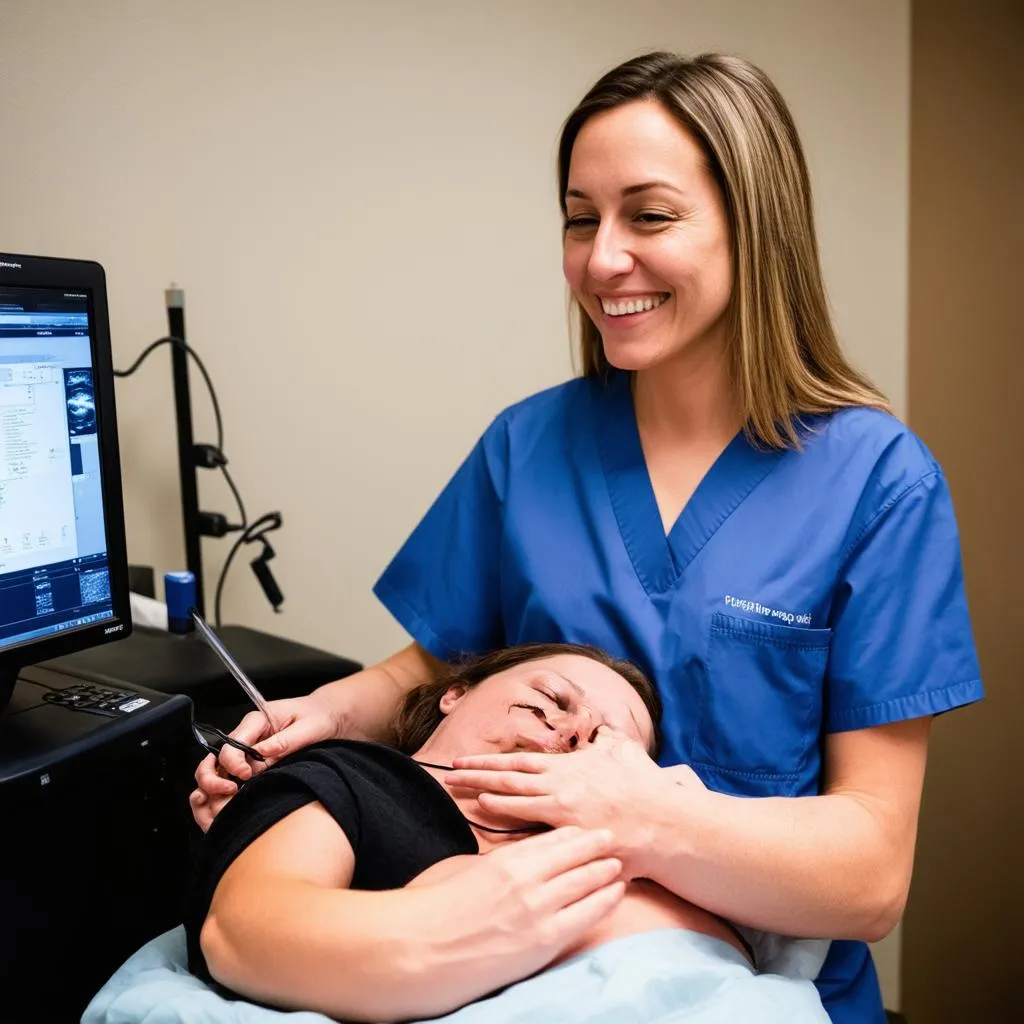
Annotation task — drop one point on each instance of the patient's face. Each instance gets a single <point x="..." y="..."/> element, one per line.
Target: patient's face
<point x="552" y="704"/>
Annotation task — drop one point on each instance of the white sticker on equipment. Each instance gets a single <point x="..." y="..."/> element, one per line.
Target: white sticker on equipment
<point x="134" y="705"/>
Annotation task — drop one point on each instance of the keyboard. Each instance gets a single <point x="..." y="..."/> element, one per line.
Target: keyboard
<point x="96" y="699"/>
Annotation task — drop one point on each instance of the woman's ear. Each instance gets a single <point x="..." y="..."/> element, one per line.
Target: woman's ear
<point x="451" y="697"/>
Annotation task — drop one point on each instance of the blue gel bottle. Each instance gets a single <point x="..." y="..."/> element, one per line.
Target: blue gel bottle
<point x="180" y="595"/>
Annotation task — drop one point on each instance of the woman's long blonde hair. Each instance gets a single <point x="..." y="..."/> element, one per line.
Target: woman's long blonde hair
<point x="785" y="358"/>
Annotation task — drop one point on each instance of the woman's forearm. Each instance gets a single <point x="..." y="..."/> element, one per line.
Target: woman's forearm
<point x="349" y="954"/>
<point x="824" y="866"/>
<point x="365" y="703"/>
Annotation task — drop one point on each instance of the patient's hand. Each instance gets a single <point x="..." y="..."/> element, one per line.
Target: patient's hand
<point x="645" y="907"/>
<point x="300" y="721"/>
<point x="501" y="916"/>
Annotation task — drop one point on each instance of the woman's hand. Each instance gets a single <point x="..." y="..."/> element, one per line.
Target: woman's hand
<point x="360" y="707"/>
<point x="608" y="784"/>
<point x="300" y="721"/>
<point x="504" y="915"/>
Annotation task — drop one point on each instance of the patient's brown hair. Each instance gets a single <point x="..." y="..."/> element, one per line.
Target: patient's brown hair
<point x="420" y="713"/>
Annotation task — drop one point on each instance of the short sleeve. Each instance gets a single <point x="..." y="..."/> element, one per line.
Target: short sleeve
<point x="902" y="645"/>
<point x="259" y="805"/>
<point x="444" y="584"/>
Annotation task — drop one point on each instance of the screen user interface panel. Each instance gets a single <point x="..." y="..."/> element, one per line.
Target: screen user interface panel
<point x="53" y="542"/>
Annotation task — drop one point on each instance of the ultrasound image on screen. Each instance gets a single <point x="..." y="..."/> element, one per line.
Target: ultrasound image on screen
<point x="81" y="402"/>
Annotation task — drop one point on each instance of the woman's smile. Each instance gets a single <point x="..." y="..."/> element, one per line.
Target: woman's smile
<point x="615" y="306"/>
<point x="628" y="314"/>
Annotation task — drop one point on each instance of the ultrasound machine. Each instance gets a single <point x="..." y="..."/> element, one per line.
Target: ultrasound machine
<point x="94" y="772"/>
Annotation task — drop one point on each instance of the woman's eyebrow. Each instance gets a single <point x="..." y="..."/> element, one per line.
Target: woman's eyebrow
<point x="629" y="190"/>
<point x="580" y="692"/>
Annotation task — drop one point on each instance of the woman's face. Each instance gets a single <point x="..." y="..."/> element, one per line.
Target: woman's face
<point x="552" y="704"/>
<point x="646" y="230"/>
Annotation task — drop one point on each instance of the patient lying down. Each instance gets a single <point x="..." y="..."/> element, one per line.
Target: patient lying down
<point x="349" y="879"/>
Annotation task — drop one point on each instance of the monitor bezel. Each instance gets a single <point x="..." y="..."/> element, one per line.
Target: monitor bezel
<point x="20" y="271"/>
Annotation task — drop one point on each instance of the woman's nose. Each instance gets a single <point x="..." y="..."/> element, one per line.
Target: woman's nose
<point x="609" y="256"/>
<point x="575" y="730"/>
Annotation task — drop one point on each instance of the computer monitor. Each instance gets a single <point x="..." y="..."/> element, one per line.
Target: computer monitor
<point x="63" y="565"/>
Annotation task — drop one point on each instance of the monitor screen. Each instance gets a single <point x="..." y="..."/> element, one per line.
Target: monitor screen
<point x="54" y="570"/>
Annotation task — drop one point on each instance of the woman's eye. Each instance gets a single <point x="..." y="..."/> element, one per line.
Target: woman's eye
<point x="580" y="223"/>
<point x="539" y="712"/>
<point x="583" y="222"/>
<point x="560" y="702"/>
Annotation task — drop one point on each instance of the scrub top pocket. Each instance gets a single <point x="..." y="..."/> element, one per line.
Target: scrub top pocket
<point x="760" y="712"/>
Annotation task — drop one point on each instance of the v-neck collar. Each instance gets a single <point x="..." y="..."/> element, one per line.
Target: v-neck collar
<point x="660" y="560"/>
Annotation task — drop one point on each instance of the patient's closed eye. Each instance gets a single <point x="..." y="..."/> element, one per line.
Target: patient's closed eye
<point x="562" y="703"/>
<point x="539" y="712"/>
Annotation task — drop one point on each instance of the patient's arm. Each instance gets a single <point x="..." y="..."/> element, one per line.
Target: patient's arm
<point x="284" y="927"/>
<point x="645" y="907"/>
<point x="276" y="930"/>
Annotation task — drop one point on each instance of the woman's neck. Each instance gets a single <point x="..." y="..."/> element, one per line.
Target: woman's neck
<point x="688" y="400"/>
<point x="437" y="751"/>
<point x="436" y="758"/>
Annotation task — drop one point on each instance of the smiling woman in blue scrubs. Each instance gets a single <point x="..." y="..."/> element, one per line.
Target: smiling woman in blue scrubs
<point x="723" y="500"/>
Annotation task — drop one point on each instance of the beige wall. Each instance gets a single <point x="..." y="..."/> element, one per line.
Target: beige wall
<point x="962" y="939"/>
<point x="358" y="199"/>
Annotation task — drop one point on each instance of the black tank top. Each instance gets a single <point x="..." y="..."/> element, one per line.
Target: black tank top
<point x="398" y="819"/>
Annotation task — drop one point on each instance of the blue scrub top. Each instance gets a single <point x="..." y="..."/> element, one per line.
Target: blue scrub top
<point x="799" y="593"/>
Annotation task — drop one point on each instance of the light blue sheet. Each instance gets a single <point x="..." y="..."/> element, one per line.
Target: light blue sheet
<point x="660" y="977"/>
